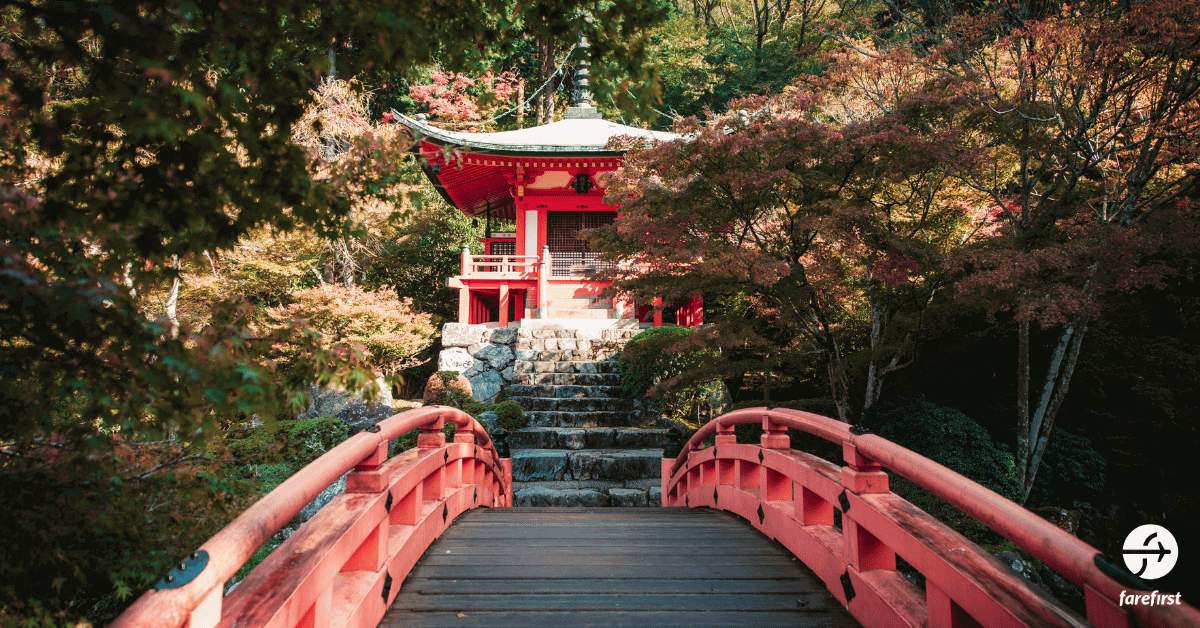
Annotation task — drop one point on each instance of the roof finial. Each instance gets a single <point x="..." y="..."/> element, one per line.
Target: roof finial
<point x="582" y="107"/>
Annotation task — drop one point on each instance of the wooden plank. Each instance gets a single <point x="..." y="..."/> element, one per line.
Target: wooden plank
<point x="798" y="586"/>
<point x="469" y="602"/>
<point x="610" y="567"/>
<point x="634" y="619"/>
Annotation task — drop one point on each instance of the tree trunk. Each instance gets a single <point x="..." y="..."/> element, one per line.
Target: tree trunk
<point x="172" y="299"/>
<point x="1035" y="428"/>
<point x="521" y="104"/>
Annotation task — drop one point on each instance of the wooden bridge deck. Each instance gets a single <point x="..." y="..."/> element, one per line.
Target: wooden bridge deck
<point x="533" y="567"/>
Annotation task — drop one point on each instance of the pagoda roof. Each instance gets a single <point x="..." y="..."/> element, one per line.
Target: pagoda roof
<point x="572" y="136"/>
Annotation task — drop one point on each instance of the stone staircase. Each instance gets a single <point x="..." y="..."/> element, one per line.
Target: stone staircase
<point x="584" y="445"/>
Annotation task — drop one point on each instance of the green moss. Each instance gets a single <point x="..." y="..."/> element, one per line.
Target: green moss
<point x="288" y="441"/>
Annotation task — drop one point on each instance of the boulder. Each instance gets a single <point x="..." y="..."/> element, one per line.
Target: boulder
<point x="488" y="419"/>
<point x="360" y="416"/>
<point x="455" y="359"/>
<point x="461" y="335"/>
<point x="655" y="496"/>
<point x="503" y="335"/>
<point x="497" y="356"/>
<point x="486" y="385"/>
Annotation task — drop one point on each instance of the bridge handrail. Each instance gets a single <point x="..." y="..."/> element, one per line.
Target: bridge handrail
<point x="1064" y="553"/>
<point x="237" y="542"/>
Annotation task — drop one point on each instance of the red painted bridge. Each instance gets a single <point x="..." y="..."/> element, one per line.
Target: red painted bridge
<point x="750" y="535"/>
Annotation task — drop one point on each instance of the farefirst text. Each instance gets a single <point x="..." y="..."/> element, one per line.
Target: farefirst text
<point x="1150" y="599"/>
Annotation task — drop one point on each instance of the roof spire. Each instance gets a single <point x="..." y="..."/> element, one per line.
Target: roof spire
<point x="582" y="107"/>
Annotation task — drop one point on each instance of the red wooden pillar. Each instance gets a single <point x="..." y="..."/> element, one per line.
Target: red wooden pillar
<point x="504" y="305"/>
<point x="464" y="305"/>
<point x="657" y="311"/>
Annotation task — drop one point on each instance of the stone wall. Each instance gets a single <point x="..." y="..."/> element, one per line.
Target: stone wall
<point x="484" y="355"/>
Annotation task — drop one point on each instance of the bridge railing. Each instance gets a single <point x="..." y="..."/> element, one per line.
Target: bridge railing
<point x="791" y="496"/>
<point x="344" y="566"/>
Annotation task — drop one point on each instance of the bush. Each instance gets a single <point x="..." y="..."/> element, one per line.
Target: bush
<point x="394" y="335"/>
<point x="509" y="415"/>
<point x="1071" y="471"/>
<point x="292" y="442"/>
<point x="654" y="365"/>
<point x="447" y="388"/>
<point x="949" y="437"/>
<point x="750" y="433"/>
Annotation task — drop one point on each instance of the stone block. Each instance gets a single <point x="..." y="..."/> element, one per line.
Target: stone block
<point x="550" y="344"/>
<point x="572" y="439"/>
<point x="615" y="465"/>
<point x="542" y="334"/>
<point x="566" y="344"/>
<point x="462" y="335"/>
<point x="542" y="497"/>
<point x="524" y="333"/>
<point x="508" y="375"/>
<point x="486" y="385"/>
<point x="655" y="496"/>
<point x="565" y="333"/>
<point x="503" y="335"/>
<point x="539" y="465"/>
<point x="626" y="497"/>
<point x="525" y="344"/>
<point x="588" y="334"/>
<point x="497" y="356"/>
<point x="455" y="359"/>
<point x="543" y="367"/>
<point x="525" y="354"/>
<point x="601" y="439"/>
<point x="523" y="367"/>
<point x="476" y="348"/>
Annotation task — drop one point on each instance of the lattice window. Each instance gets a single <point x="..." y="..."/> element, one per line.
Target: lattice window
<point x="572" y="255"/>
<point x="562" y="229"/>
<point x="508" y="247"/>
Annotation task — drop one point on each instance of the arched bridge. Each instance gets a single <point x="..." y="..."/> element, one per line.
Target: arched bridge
<point x="392" y="550"/>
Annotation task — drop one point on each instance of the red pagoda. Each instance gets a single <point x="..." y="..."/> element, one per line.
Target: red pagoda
<point x="543" y="179"/>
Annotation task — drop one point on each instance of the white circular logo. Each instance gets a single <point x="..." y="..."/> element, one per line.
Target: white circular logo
<point x="1150" y="552"/>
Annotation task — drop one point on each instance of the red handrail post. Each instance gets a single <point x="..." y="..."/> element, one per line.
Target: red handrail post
<point x="864" y="551"/>
<point x="773" y="485"/>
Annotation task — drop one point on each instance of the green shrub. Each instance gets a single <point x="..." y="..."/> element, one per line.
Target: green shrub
<point x="288" y="441"/>
<point x="509" y="415"/>
<point x="949" y="437"/>
<point x="652" y="367"/>
<point x="1071" y="471"/>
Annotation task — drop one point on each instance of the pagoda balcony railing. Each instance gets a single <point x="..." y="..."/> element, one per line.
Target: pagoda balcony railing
<point x="500" y="266"/>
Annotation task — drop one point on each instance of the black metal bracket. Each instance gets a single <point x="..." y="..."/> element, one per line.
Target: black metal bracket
<point x="445" y="512"/>
<point x="772" y="407"/>
<point x="859" y="430"/>
<point x="761" y="515"/>
<point x="847" y="586"/>
<point x="1118" y="572"/>
<point x="844" y="501"/>
<point x="715" y="495"/>
<point x="387" y="504"/>
<point x="387" y="586"/>
<point x="184" y="572"/>
<point x="374" y="428"/>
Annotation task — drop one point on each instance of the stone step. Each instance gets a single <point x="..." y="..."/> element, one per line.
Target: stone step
<point x="586" y="464"/>
<point x="556" y="418"/>
<point x="578" y="404"/>
<point x="541" y="496"/>
<point x="550" y="390"/>
<point x="586" y="438"/>
<point x="592" y="354"/>
<point x="568" y="379"/>
<point x="571" y="366"/>
<point x="580" y="314"/>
